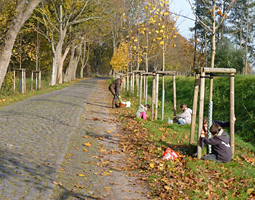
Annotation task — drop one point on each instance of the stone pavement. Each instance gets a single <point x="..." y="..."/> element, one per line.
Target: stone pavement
<point x="42" y="147"/>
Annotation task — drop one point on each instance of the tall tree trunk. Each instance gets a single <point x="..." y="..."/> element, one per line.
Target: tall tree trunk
<point x="21" y="16"/>
<point x="60" y="65"/>
<point x="195" y="52"/>
<point x="75" y="64"/>
<point x="84" y="57"/>
<point x="213" y="37"/>
<point x="69" y="70"/>
<point x="246" y="41"/>
<point x="241" y="29"/>
<point x="213" y="50"/>
<point x="55" y="63"/>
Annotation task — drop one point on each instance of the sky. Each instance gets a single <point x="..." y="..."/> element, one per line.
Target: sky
<point x="182" y="7"/>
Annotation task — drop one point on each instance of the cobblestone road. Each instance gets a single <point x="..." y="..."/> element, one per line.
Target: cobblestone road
<point x="34" y="136"/>
<point x="43" y="156"/>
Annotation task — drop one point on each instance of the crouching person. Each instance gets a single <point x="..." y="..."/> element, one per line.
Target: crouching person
<point x="141" y="111"/>
<point x="221" y="146"/>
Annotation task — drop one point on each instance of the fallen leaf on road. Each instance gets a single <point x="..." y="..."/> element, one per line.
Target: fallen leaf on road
<point x="96" y="119"/>
<point x="114" y="184"/>
<point x="107" y="188"/>
<point x="56" y="183"/>
<point x="87" y="144"/>
<point x="79" y="186"/>
<point x="81" y="175"/>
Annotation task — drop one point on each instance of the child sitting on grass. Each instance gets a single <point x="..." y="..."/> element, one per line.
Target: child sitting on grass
<point x="221" y="146"/>
<point x="141" y="111"/>
<point x="204" y="130"/>
<point x="185" y="117"/>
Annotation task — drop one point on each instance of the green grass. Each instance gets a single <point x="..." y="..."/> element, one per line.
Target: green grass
<point x="9" y="97"/>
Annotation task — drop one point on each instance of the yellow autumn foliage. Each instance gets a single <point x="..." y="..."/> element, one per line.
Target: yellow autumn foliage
<point x="119" y="59"/>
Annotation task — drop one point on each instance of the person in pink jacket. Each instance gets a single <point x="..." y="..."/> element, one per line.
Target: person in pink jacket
<point x="185" y="117"/>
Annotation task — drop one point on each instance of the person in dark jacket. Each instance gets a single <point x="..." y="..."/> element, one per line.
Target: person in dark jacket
<point x="221" y="146"/>
<point x="114" y="88"/>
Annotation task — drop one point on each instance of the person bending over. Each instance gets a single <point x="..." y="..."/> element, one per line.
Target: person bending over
<point x="114" y="88"/>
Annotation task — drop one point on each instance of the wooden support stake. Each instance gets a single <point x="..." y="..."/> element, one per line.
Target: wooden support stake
<point x="194" y="110"/>
<point x="14" y="81"/>
<point x="153" y="96"/>
<point x="146" y="89"/>
<point x="163" y="97"/>
<point x="40" y="80"/>
<point x="32" y="74"/>
<point x="232" y="110"/>
<point x="137" y="84"/>
<point x="174" y="94"/>
<point x="144" y="86"/>
<point x="23" y="81"/>
<point x="127" y="82"/>
<point x="156" y="97"/>
<point x="201" y="114"/>
<point x="141" y="89"/>
<point x="133" y="83"/>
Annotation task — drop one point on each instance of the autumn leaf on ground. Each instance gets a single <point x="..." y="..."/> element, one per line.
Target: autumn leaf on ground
<point x="108" y="131"/>
<point x="151" y="165"/>
<point x="96" y="119"/>
<point x="56" y="183"/>
<point x="102" y="150"/>
<point x="87" y="144"/>
<point x="250" y="190"/>
<point x="114" y="184"/>
<point x="107" y="188"/>
<point x="81" y="175"/>
<point x="85" y="136"/>
<point x="105" y="174"/>
<point x="79" y="186"/>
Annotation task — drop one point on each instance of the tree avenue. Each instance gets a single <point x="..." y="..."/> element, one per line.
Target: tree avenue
<point x="65" y="39"/>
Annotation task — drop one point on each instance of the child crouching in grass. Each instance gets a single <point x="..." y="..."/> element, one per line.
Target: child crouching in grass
<point x="221" y="146"/>
<point x="185" y="117"/>
<point x="141" y="111"/>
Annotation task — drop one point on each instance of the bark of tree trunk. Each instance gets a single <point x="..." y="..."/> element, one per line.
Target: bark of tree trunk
<point x="69" y="70"/>
<point x="17" y="22"/>
<point x="60" y="66"/>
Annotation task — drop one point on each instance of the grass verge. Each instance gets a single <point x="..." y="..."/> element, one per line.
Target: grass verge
<point x="186" y="177"/>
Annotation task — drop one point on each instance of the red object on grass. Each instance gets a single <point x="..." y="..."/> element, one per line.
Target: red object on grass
<point x="169" y="154"/>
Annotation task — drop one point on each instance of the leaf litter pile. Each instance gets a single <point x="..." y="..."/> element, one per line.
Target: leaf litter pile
<point x="186" y="177"/>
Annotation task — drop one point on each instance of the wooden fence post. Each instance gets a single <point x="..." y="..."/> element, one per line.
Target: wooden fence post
<point x="141" y="89"/>
<point x="194" y="109"/>
<point x="201" y="114"/>
<point x="153" y="96"/>
<point x="156" y="97"/>
<point x="232" y="110"/>
<point x="174" y="94"/>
